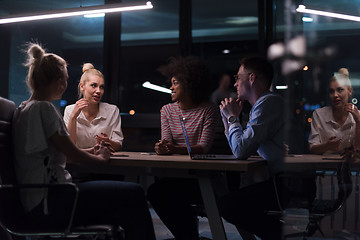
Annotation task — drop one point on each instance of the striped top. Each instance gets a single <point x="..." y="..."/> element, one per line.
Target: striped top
<point x="200" y="124"/>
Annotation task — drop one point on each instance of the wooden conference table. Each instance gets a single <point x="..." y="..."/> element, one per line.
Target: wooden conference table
<point x="182" y="166"/>
<point x="177" y="166"/>
<point x="311" y="162"/>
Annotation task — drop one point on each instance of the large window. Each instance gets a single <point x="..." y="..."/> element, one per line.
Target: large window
<point x="148" y="40"/>
<point x="223" y="32"/>
<point x="77" y="39"/>
<point x="157" y="26"/>
<point x="224" y="21"/>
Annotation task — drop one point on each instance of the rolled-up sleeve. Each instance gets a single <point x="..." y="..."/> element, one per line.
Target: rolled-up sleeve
<point x="314" y="137"/>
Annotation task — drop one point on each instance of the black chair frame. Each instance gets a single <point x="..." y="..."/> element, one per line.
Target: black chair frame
<point x="13" y="218"/>
<point x="318" y="208"/>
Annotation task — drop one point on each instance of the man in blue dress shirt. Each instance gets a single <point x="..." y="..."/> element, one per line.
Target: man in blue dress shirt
<point x="247" y="207"/>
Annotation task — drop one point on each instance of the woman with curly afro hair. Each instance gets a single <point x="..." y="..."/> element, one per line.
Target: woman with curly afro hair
<point x="172" y="198"/>
<point x="189" y="78"/>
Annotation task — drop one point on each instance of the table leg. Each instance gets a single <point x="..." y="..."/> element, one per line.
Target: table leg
<point x="212" y="212"/>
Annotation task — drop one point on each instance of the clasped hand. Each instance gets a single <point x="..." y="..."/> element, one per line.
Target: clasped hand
<point x="164" y="147"/>
<point x="102" y="149"/>
<point x="104" y="138"/>
<point x="230" y="107"/>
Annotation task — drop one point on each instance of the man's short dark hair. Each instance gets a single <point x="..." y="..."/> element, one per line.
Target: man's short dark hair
<point x="261" y="67"/>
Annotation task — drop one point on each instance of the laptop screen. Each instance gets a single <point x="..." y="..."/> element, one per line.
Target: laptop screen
<point x="185" y="135"/>
<point x="201" y="156"/>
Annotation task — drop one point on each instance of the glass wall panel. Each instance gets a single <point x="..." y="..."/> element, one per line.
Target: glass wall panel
<point x="315" y="48"/>
<point x="322" y="105"/>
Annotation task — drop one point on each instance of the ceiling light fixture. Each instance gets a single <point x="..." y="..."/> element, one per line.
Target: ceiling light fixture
<point x="60" y="13"/>
<point x="303" y="9"/>
<point x="226" y="51"/>
<point x="97" y="15"/>
<point x="149" y="85"/>
<point x="281" y="87"/>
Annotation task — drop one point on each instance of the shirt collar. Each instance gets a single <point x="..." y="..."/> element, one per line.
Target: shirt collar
<point x="260" y="98"/>
<point x="101" y="114"/>
<point x="330" y="118"/>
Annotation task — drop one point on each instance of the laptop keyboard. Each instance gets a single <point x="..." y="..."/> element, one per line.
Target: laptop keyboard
<point x="203" y="156"/>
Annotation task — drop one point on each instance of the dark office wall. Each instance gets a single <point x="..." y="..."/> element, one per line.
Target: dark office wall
<point x="4" y="59"/>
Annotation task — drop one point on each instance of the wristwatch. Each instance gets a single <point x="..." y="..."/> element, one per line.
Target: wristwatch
<point x="232" y="119"/>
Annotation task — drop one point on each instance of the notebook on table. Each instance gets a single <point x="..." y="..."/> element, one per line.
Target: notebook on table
<point x="202" y="156"/>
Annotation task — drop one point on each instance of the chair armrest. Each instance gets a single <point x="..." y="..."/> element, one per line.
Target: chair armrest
<point x="50" y="186"/>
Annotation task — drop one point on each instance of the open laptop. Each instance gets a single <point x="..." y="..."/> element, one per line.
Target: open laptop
<point x="202" y="156"/>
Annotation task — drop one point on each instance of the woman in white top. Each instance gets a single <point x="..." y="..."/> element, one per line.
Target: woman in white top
<point x="90" y="121"/>
<point x="42" y="146"/>
<point x="336" y="127"/>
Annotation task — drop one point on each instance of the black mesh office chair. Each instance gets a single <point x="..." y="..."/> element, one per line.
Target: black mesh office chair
<point x="12" y="217"/>
<point x="292" y="196"/>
